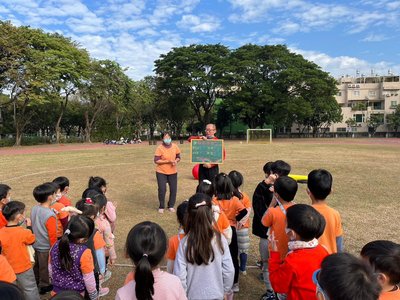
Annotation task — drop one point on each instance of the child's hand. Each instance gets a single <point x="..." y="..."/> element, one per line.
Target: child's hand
<point x="28" y="222"/>
<point x="111" y="262"/>
<point x="273" y="242"/>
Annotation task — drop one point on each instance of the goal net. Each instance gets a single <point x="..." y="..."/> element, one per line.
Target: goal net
<point x="259" y="135"/>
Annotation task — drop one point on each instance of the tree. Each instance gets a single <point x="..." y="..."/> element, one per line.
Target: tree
<point x="199" y="74"/>
<point x="393" y="120"/>
<point x="373" y="122"/>
<point x="104" y="88"/>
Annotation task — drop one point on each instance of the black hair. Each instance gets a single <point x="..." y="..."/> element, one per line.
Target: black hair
<point x="146" y="245"/>
<point x="384" y="257"/>
<point x="79" y="227"/>
<point x="200" y="230"/>
<point x="67" y="295"/>
<point x="345" y="277"/>
<point x="205" y="188"/>
<point x="237" y="180"/>
<point x="306" y="221"/>
<point x="267" y="168"/>
<point x="223" y="187"/>
<point x="9" y="291"/>
<point x="62" y="181"/>
<point x="319" y="183"/>
<point x="165" y="133"/>
<point x="12" y="209"/>
<point x="97" y="197"/>
<point x="181" y="211"/>
<point x="87" y="207"/>
<point x="286" y="188"/>
<point x="281" y="168"/>
<point x="43" y="191"/>
<point x="96" y="182"/>
<point x="4" y="189"/>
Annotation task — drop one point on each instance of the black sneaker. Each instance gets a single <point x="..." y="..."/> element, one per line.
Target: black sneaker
<point x="269" y="295"/>
<point x="45" y="289"/>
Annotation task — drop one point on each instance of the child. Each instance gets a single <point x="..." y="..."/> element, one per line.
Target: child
<point x="319" y="186"/>
<point x="235" y="211"/>
<point x="14" y="240"/>
<point x="174" y="241"/>
<point x="71" y="262"/>
<point x="63" y="183"/>
<point x="384" y="258"/>
<point x="146" y="245"/>
<point x="99" y="184"/>
<point x="345" y="277"/>
<point x="44" y="226"/>
<point x="221" y="221"/>
<point x="262" y="198"/>
<point x="5" y="197"/>
<point x="242" y="226"/>
<point x="285" y="189"/>
<point x="203" y="262"/>
<point x="293" y="275"/>
<point x="95" y="243"/>
<point x="7" y="273"/>
<point x="61" y="215"/>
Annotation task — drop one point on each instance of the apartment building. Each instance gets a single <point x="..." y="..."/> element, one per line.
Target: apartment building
<point x="364" y="96"/>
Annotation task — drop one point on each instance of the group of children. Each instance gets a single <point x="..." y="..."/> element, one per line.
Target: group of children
<point x="69" y="247"/>
<point x="300" y="246"/>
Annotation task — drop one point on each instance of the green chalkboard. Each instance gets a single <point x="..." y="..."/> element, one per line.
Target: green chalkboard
<point x="207" y="151"/>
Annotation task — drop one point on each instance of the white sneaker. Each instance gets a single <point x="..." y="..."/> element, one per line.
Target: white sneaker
<point x="235" y="288"/>
<point x="103" y="291"/>
<point x="105" y="277"/>
<point x="161" y="210"/>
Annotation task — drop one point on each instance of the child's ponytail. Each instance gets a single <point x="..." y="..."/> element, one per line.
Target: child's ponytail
<point x="144" y="279"/>
<point x="96" y="183"/>
<point x="146" y="245"/>
<point x="237" y="180"/>
<point x="65" y="255"/>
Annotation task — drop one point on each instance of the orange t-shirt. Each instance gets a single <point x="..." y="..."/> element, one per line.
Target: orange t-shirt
<point x="87" y="265"/>
<point x="173" y="245"/>
<point x="247" y="204"/>
<point x="3" y="221"/>
<point x="275" y="219"/>
<point x="222" y="223"/>
<point x="7" y="273"/>
<point x="333" y="227"/>
<point x="230" y="208"/>
<point x="98" y="241"/>
<point x="167" y="154"/>
<point x="64" y="200"/>
<point x="13" y="241"/>
<point x="395" y="295"/>
<point x="56" y="207"/>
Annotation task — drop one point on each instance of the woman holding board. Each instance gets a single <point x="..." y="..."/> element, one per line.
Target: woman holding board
<point x="166" y="158"/>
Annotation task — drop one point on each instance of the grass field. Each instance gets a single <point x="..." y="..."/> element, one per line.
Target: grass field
<point x="366" y="185"/>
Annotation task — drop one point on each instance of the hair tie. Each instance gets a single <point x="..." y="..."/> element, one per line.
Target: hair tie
<point x="203" y="203"/>
<point x="207" y="181"/>
<point x="88" y="201"/>
<point x="67" y="232"/>
<point x="145" y="255"/>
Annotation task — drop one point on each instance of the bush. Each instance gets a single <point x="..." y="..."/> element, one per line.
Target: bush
<point x="7" y="142"/>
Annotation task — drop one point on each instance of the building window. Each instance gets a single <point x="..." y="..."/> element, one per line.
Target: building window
<point x="359" y="118"/>
<point x="341" y="129"/>
<point x="339" y="94"/>
<point x="393" y="104"/>
<point x="356" y="93"/>
<point x="371" y="93"/>
<point x="377" y="105"/>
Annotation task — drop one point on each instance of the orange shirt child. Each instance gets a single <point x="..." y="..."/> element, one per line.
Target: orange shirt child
<point x="230" y="208"/>
<point x="64" y="200"/>
<point x="173" y="245"/>
<point x="7" y="273"/>
<point x="275" y="219"/>
<point x="62" y="217"/>
<point x="333" y="228"/>
<point x="98" y="241"/>
<point x="14" y="241"/>
<point x="3" y="221"/>
<point x="167" y="153"/>
<point x="247" y="204"/>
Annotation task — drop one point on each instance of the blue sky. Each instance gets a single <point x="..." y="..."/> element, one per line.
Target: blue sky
<point x="340" y="36"/>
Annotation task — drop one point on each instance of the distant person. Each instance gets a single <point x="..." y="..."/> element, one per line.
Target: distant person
<point x="167" y="156"/>
<point x="292" y="276"/>
<point x="146" y="245"/>
<point x="207" y="170"/>
<point x="319" y="186"/>
<point x="345" y="277"/>
<point x="384" y="258"/>
<point x="5" y="197"/>
<point x="203" y="262"/>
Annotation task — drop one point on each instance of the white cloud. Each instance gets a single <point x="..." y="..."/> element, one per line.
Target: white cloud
<point x="165" y="9"/>
<point x="201" y="23"/>
<point x="288" y="28"/>
<point x="375" y="38"/>
<point x="90" y="23"/>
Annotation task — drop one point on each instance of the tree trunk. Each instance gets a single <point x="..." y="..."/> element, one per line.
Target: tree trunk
<point x="88" y="128"/>
<point x="57" y="127"/>
<point x="18" y="136"/>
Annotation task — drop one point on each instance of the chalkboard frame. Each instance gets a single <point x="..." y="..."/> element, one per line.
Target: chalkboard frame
<point x="199" y="161"/>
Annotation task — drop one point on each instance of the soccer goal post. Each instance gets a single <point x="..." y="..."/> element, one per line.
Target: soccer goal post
<point x="259" y="135"/>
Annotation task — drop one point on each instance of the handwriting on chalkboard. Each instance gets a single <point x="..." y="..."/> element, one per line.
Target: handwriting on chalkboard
<point x="207" y="151"/>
